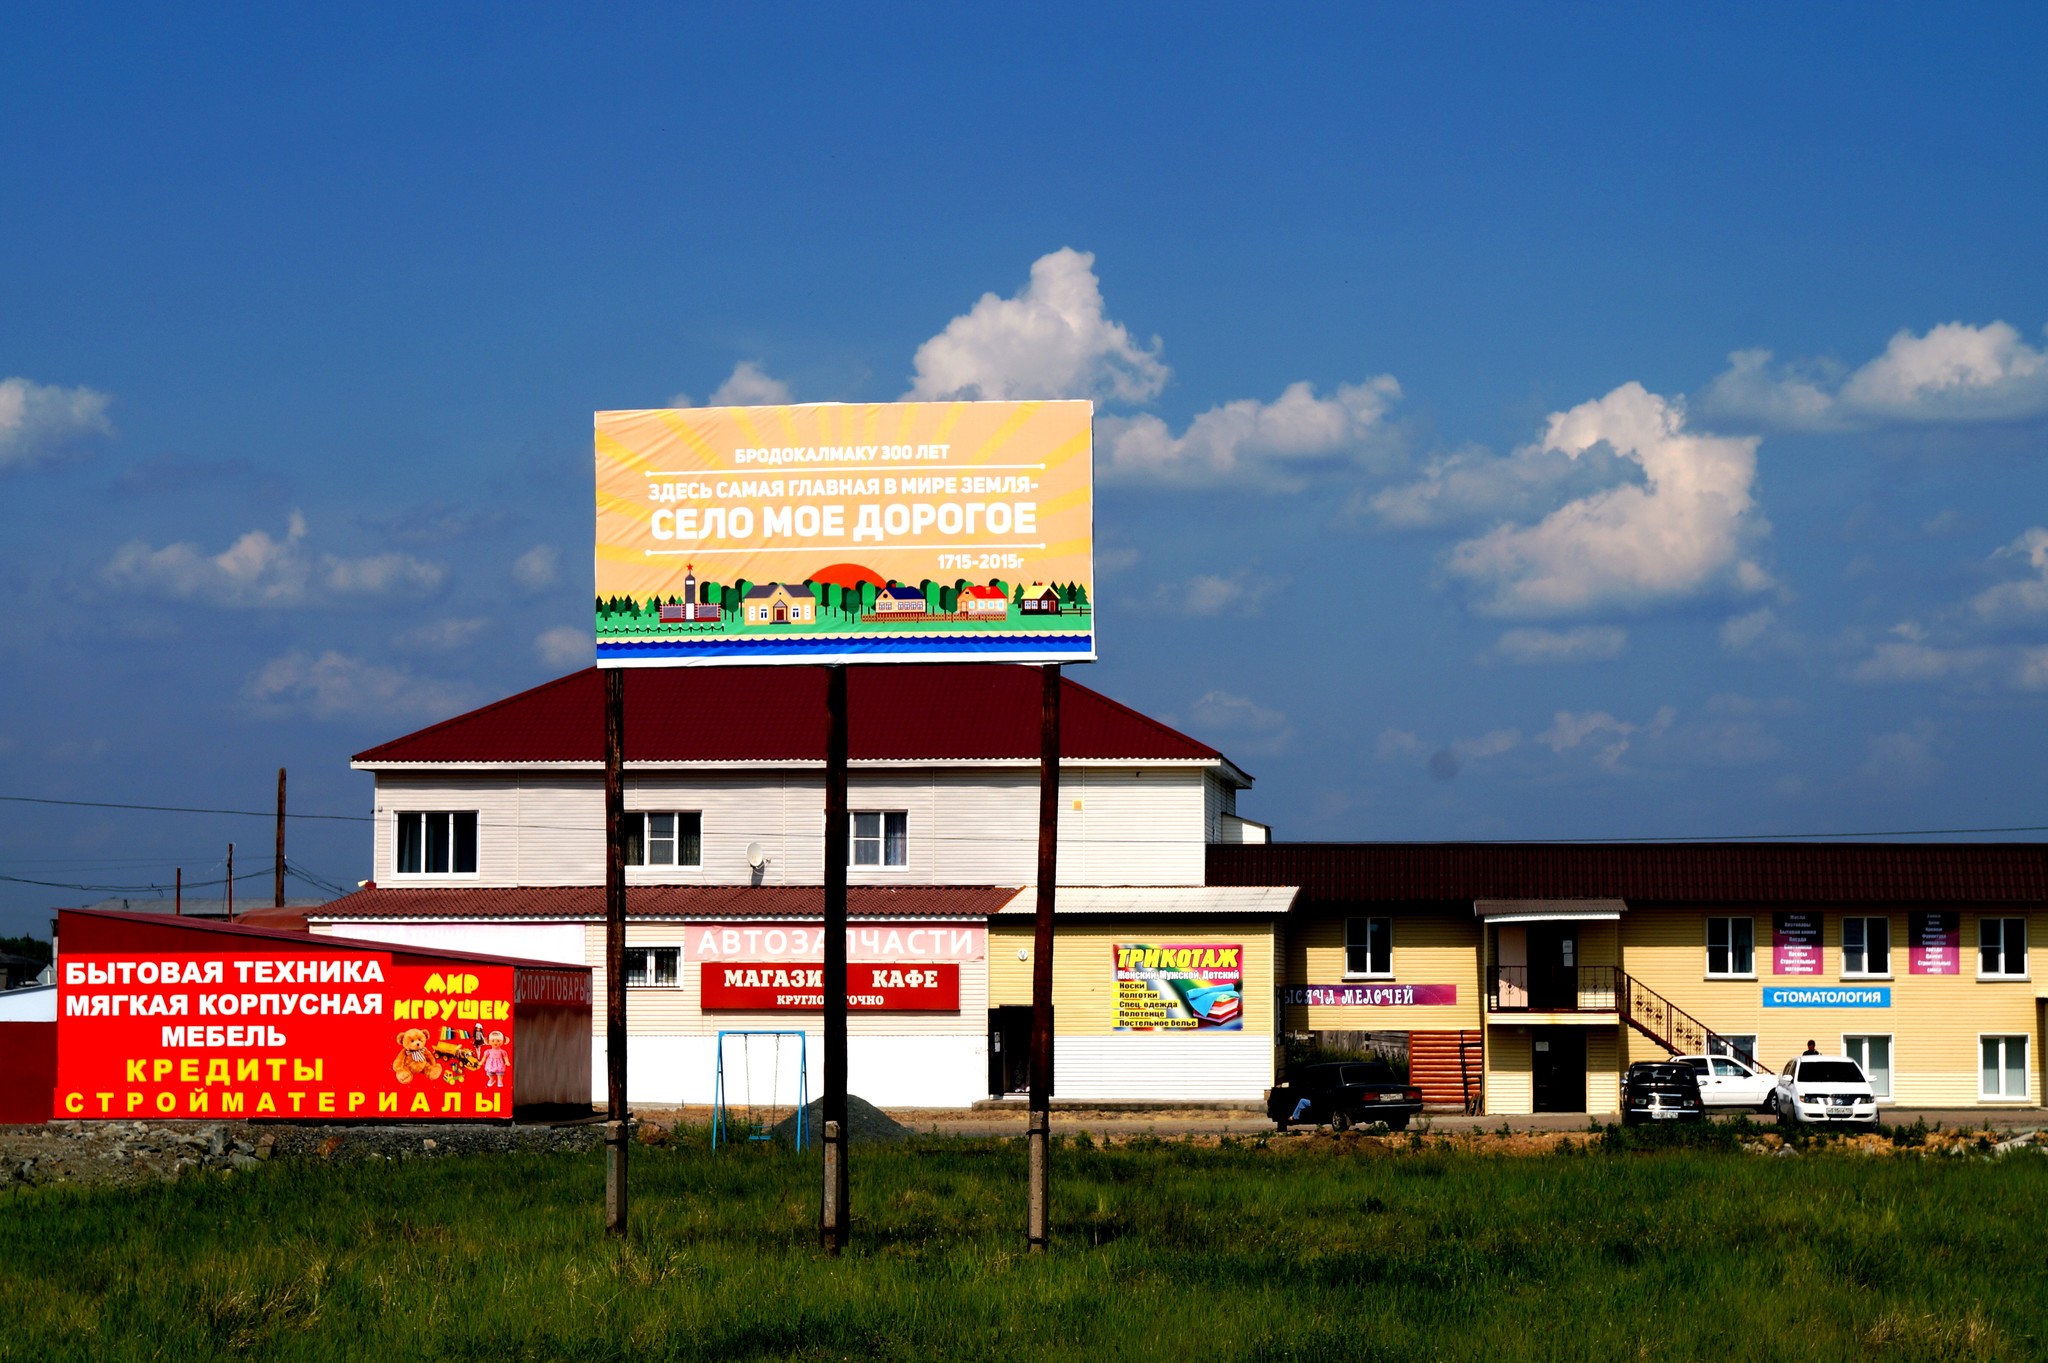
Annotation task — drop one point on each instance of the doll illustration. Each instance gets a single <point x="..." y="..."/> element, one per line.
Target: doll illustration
<point x="497" y="1060"/>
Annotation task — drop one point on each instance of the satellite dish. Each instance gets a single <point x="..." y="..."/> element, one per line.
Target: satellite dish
<point x="755" y="856"/>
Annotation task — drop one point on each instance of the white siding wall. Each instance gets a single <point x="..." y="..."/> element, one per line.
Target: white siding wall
<point x="1118" y="826"/>
<point x="1169" y="1065"/>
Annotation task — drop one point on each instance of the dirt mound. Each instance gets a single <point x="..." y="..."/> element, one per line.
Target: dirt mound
<point x="866" y="1122"/>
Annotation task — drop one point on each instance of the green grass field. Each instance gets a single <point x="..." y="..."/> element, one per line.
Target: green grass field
<point x="1165" y="1251"/>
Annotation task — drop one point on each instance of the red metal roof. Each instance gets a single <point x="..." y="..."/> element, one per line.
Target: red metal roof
<point x="1789" y="872"/>
<point x="671" y="901"/>
<point x="902" y="711"/>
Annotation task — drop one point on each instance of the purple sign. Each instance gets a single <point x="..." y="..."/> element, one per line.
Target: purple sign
<point x="1934" y="943"/>
<point x="1795" y="944"/>
<point x="1370" y="995"/>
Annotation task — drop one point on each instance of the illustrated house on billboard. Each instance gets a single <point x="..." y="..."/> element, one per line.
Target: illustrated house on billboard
<point x="900" y="601"/>
<point x="1040" y="599"/>
<point x="984" y="602"/>
<point x="689" y="608"/>
<point x="779" y="603"/>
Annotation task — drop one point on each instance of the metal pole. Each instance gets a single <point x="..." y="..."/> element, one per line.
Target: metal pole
<point x="1038" y="1134"/>
<point x="231" y="882"/>
<point x="278" y="881"/>
<point x="835" y="1212"/>
<point x="178" y="904"/>
<point x="615" y="950"/>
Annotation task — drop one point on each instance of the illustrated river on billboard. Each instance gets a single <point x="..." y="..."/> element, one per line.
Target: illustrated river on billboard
<point x="838" y="532"/>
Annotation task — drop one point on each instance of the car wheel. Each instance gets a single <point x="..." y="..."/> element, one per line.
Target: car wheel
<point x="1340" y="1120"/>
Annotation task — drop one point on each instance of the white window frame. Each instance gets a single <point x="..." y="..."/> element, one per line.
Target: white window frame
<point x="2026" y="1070"/>
<point x="398" y="818"/>
<point x="647" y="952"/>
<point x="643" y="843"/>
<point x="1891" y="1059"/>
<point x="881" y="839"/>
<point x="1731" y="973"/>
<point x="1866" y="973"/>
<point x="1386" y="929"/>
<point x="2005" y="953"/>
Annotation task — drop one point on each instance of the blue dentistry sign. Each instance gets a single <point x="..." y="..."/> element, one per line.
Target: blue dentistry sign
<point x="1828" y="996"/>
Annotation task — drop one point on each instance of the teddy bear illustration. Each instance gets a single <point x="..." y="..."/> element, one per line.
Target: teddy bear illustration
<point x="414" y="1058"/>
<point x="497" y="1060"/>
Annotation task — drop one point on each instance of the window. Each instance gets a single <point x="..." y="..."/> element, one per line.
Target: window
<point x="1866" y="946"/>
<point x="1874" y="1054"/>
<point x="664" y="839"/>
<point x="2004" y="1069"/>
<point x="2002" y="948"/>
<point x="653" y="967"/>
<point x="1731" y="947"/>
<point x="880" y="838"/>
<point x="1368" y="946"/>
<point x="436" y="843"/>
<point x="1738" y="1044"/>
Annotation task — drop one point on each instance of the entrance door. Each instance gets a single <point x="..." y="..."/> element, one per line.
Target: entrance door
<point x="1009" y="1051"/>
<point x="1553" y="966"/>
<point x="782" y="615"/>
<point x="1558" y="1065"/>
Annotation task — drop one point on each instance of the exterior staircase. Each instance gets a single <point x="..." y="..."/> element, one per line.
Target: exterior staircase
<point x="1664" y="1022"/>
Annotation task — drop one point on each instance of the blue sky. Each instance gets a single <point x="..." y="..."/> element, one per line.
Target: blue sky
<point x="1598" y="423"/>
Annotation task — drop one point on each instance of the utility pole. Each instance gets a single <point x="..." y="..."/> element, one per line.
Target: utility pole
<point x="178" y="904"/>
<point x="1038" y="1133"/>
<point x="615" y="1134"/>
<point x="278" y="895"/>
<point x="231" y="882"/>
<point x="835" y="1213"/>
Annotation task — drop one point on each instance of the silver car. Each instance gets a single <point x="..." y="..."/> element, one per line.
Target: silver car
<point x="1826" y="1090"/>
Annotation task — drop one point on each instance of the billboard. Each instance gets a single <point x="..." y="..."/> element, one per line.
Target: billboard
<point x="1177" y="987"/>
<point x="844" y="532"/>
<point x="252" y="1034"/>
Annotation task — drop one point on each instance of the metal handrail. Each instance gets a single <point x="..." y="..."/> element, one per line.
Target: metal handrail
<point x="1553" y="989"/>
<point x="1670" y="1026"/>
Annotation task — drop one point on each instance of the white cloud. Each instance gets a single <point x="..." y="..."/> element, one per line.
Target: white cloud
<point x="2025" y="598"/>
<point x="1586" y="643"/>
<point x="1981" y="666"/>
<point x="1395" y="744"/>
<point x="1952" y="373"/>
<point x="1682" y="532"/>
<point x="1050" y="341"/>
<point x="750" y="386"/>
<point x="1905" y="757"/>
<point x="564" y="646"/>
<point x="1273" y="444"/>
<point x="334" y="685"/>
<point x="1444" y="763"/>
<point x="536" y="568"/>
<point x="443" y="636"/>
<point x="1241" y="593"/>
<point x="1747" y="632"/>
<point x="40" y="422"/>
<point x="1475" y="485"/>
<point x="258" y="570"/>
<point x="1236" y="723"/>
<point x="1600" y="735"/>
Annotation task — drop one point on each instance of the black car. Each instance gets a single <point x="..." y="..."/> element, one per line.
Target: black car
<point x="1353" y="1093"/>
<point x="1663" y="1091"/>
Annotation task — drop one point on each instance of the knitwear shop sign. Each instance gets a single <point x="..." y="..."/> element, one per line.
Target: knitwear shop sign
<point x="309" y="1035"/>
<point x="784" y="986"/>
<point x="846" y="532"/>
<point x="1177" y="987"/>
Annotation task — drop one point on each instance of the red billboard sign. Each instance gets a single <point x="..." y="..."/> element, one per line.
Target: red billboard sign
<point x="342" y="1034"/>
<point x="782" y="986"/>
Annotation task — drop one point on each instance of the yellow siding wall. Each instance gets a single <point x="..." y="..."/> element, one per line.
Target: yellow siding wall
<point x="1934" y="1021"/>
<point x="1428" y="948"/>
<point x="1603" y="1070"/>
<point x="1510" y="1081"/>
<point x="1083" y="962"/>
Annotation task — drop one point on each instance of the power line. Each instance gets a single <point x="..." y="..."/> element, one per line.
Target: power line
<point x="182" y="809"/>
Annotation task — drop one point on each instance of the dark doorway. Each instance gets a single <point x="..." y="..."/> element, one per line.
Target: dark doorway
<point x="1558" y="1065"/>
<point x="1009" y="1050"/>
<point x="1553" y="967"/>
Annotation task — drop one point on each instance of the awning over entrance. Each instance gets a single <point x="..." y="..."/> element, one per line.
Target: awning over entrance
<point x="1549" y="910"/>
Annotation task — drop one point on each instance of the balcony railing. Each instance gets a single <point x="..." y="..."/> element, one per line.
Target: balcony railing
<point x="1553" y="988"/>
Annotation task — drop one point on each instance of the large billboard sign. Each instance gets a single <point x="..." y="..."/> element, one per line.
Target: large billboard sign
<point x="1177" y="987"/>
<point x="254" y="1034"/>
<point x="844" y="532"/>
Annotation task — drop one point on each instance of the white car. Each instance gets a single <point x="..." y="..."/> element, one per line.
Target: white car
<point x="1726" y="1082"/>
<point x="1829" y="1090"/>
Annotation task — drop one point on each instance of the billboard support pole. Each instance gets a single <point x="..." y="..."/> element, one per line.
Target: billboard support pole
<point x="277" y="887"/>
<point x="835" y="1213"/>
<point x="615" y="1134"/>
<point x="1038" y="1230"/>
